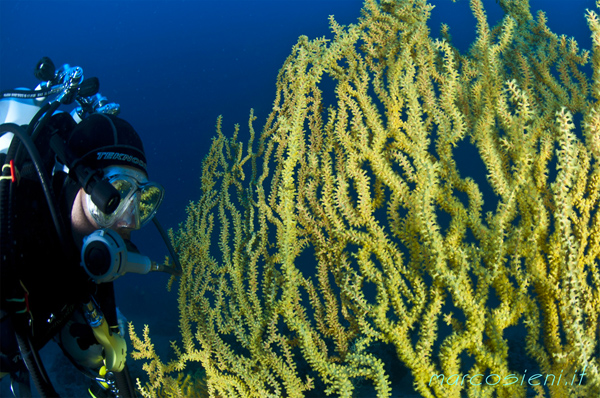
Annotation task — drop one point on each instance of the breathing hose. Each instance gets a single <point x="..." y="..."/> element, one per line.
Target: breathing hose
<point x="34" y="365"/>
<point x="44" y="179"/>
<point x="125" y="383"/>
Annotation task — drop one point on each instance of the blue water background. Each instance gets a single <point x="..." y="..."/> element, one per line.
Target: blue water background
<point x="175" y="66"/>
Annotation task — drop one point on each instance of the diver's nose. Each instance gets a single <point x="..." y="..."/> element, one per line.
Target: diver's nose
<point x="130" y="219"/>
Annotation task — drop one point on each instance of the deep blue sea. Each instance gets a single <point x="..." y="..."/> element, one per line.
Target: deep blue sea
<point x="174" y="66"/>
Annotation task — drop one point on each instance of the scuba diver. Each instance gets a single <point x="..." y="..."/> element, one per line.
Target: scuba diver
<point x="73" y="187"/>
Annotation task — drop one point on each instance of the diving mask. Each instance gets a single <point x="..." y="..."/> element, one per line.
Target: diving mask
<point x="140" y="199"/>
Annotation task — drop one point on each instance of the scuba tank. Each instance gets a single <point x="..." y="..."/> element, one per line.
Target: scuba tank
<point x="19" y="111"/>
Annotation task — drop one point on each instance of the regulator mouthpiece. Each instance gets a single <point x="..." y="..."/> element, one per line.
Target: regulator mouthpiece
<point x="105" y="257"/>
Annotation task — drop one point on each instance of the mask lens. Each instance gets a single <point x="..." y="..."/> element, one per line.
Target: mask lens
<point x="151" y="196"/>
<point x="139" y="203"/>
<point x="126" y="187"/>
<point x="123" y="186"/>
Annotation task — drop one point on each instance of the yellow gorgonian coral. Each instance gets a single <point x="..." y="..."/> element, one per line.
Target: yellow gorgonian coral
<point x="356" y="246"/>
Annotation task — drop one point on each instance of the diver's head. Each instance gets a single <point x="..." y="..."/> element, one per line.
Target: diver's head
<point x="103" y="140"/>
<point x="110" y="144"/>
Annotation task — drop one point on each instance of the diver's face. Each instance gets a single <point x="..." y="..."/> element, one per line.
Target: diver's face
<point x="83" y="223"/>
<point x="126" y="217"/>
<point x="139" y="202"/>
<point x="123" y="226"/>
<point x="139" y="199"/>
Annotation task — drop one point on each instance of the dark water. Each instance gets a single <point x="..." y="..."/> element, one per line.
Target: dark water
<point x="174" y="66"/>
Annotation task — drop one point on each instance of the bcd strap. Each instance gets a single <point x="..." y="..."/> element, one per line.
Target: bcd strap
<point x="18" y="304"/>
<point x="14" y="173"/>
